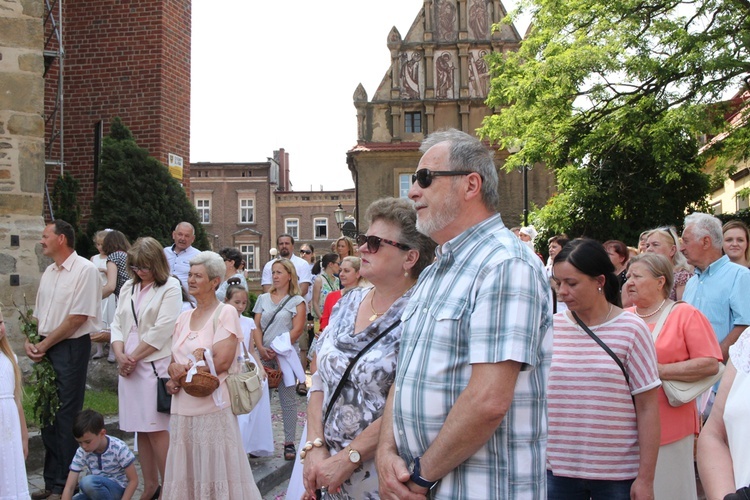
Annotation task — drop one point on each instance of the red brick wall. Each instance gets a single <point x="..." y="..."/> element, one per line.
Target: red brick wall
<point x="126" y="58"/>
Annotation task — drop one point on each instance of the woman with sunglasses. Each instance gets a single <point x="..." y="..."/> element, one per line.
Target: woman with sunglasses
<point x="233" y="276"/>
<point x="344" y="420"/>
<point x="664" y="241"/>
<point x="147" y="311"/>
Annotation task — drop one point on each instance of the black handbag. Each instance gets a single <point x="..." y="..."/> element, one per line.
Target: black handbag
<point x="163" y="397"/>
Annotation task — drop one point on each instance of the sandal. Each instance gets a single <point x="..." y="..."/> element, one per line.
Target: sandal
<point x="290" y="452"/>
<point x="302" y="389"/>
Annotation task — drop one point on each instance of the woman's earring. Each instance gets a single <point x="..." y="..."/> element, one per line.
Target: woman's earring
<point x="600" y="289"/>
<point x="406" y="274"/>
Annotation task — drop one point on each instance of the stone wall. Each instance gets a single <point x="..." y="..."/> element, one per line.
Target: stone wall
<point x="21" y="157"/>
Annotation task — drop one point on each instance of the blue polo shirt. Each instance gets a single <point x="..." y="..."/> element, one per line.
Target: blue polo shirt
<point x="722" y="293"/>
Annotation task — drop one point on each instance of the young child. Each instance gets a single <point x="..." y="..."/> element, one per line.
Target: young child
<point x="255" y="427"/>
<point x="15" y="443"/>
<point x="108" y="304"/>
<point x="109" y="462"/>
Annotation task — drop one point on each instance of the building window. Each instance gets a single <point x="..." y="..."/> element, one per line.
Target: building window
<point x="413" y="122"/>
<point x="716" y="208"/>
<point x="247" y="211"/>
<point x="248" y="253"/>
<point x="321" y="229"/>
<point x="404" y="184"/>
<point x="742" y="202"/>
<point x="291" y="227"/>
<point x="204" y="210"/>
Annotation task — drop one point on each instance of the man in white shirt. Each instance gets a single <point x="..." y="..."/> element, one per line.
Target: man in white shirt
<point x="285" y="246"/>
<point x="179" y="254"/>
<point x="68" y="310"/>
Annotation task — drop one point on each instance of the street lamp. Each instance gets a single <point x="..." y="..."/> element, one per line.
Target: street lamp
<point x="340" y="215"/>
<point x="513" y="149"/>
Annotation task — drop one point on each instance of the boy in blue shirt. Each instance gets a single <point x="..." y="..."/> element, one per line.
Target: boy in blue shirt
<point x="109" y="462"/>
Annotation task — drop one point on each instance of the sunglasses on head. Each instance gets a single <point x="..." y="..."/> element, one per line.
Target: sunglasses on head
<point x="373" y="243"/>
<point x="425" y="176"/>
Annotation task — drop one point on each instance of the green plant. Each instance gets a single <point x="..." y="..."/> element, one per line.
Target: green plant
<point x="105" y="402"/>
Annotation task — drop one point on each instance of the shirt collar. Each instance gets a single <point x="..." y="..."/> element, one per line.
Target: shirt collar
<point x="68" y="263"/>
<point x="465" y="240"/>
<point x="178" y="253"/>
<point x="713" y="267"/>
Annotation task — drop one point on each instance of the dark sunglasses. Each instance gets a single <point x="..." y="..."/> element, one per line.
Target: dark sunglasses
<point x="135" y="269"/>
<point x="306" y="252"/>
<point x="424" y="176"/>
<point x="373" y="243"/>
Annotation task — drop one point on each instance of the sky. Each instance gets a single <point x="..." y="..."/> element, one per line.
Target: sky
<point x="264" y="74"/>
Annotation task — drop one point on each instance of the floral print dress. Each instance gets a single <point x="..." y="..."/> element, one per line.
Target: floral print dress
<point x="362" y="399"/>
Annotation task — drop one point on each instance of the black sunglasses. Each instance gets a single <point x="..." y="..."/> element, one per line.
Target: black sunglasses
<point x="424" y="176"/>
<point x="306" y="252"/>
<point x="373" y="243"/>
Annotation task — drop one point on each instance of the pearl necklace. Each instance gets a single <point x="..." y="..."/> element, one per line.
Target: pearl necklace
<point x="649" y="314"/>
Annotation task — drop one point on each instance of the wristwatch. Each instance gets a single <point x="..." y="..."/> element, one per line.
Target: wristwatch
<point x="354" y="456"/>
<point x="417" y="478"/>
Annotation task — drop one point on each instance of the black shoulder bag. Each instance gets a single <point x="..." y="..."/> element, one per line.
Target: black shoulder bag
<point x="605" y="347"/>
<point x="163" y="397"/>
<point x="354" y="360"/>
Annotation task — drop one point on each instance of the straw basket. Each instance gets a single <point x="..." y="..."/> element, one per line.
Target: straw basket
<point x="202" y="384"/>
<point x="274" y="377"/>
<point x="101" y="336"/>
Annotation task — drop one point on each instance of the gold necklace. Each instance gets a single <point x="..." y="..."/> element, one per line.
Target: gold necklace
<point x="375" y="315"/>
<point x="611" y="306"/>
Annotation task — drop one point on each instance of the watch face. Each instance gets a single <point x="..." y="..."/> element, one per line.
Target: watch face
<point x="354" y="456"/>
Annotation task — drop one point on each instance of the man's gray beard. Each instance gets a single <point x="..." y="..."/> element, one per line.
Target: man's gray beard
<point x="444" y="216"/>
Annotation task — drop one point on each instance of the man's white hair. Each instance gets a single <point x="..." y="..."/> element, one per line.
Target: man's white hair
<point x="706" y="225"/>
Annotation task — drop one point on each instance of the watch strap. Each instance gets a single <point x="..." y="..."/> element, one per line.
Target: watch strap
<point x="418" y="479"/>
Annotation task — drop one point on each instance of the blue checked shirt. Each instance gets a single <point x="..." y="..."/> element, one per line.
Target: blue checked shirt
<point x="485" y="300"/>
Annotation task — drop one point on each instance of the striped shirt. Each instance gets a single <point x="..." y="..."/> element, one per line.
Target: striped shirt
<point x="592" y="422"/>
<point x="485" y="300"/>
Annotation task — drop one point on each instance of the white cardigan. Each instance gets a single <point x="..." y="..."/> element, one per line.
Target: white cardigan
<point x="157" y="316"/>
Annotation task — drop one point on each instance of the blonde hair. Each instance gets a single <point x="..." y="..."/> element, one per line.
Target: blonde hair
<point x="669" y="236"/>
<point x="293" y="285"/>
<point x="6" y="349"/>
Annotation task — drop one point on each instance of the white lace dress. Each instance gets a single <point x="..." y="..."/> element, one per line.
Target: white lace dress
<point x="737" y="409"/>
<point x="13" y="484"/>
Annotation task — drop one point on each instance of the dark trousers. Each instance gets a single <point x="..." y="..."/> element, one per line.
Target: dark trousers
<point x="70" y="359"/>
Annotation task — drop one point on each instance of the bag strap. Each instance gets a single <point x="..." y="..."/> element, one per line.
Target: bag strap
<point x="603" y="346"/>
<point x="153" y="367"/>
<point x="278" y="309"/>
<point x="662" y="319"/>
<point x="354" y="360"/>
<point x="132" y="307"/>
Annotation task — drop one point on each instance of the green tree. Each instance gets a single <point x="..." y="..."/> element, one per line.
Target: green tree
<point x="595" y="79"/>
<point x="137" y="195"/>
<point x="65" y="206"/>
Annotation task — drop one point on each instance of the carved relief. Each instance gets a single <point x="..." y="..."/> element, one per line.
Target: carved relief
<point x="447" y="25"/>
<point x="479" y="74"/>
<point x="445" y="76"/>
<point x="411" y="75"/>
<point x="479" y="20"/>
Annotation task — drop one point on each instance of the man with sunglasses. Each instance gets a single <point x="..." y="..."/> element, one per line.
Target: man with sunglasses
<point x="466" y="416"/>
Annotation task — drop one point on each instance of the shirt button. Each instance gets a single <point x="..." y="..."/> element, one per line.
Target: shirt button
<point x="401" y="433"/>
<point x="424" y="310"/>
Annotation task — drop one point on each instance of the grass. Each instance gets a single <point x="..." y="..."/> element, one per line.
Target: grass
<point x="105" y="402"/>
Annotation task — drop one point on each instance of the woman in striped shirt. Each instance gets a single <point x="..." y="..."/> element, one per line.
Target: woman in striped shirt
<point x="603" y="413"/>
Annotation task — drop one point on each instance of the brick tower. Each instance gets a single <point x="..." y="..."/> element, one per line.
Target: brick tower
<point x="122" y="58"/>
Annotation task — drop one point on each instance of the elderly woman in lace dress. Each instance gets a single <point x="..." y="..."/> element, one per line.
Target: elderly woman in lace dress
<point x="346" y="405"/>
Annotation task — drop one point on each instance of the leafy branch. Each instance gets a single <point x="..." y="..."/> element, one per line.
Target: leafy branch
<point x="42" y="391"/>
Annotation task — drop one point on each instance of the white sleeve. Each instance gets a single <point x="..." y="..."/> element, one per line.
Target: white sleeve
<point x="265" y="277"/>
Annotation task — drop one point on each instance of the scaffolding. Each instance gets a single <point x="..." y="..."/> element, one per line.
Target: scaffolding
<point x="54" y="57"/>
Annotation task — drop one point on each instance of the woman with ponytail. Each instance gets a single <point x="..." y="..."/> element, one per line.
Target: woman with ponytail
<point x="601" y="404"/>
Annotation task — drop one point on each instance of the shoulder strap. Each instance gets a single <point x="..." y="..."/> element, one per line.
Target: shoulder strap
<point x="132" y="306"/>
<point x="273" y="316"/>
<point x="354" y="360"/>
<point x="602" y="345"/>
<point x="216" y="315"/>
<point x="663" y="319"/>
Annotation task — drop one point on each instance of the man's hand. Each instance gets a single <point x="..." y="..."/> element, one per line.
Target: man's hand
<point x="35" y="352"/>
<point x="393" y="478"/>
